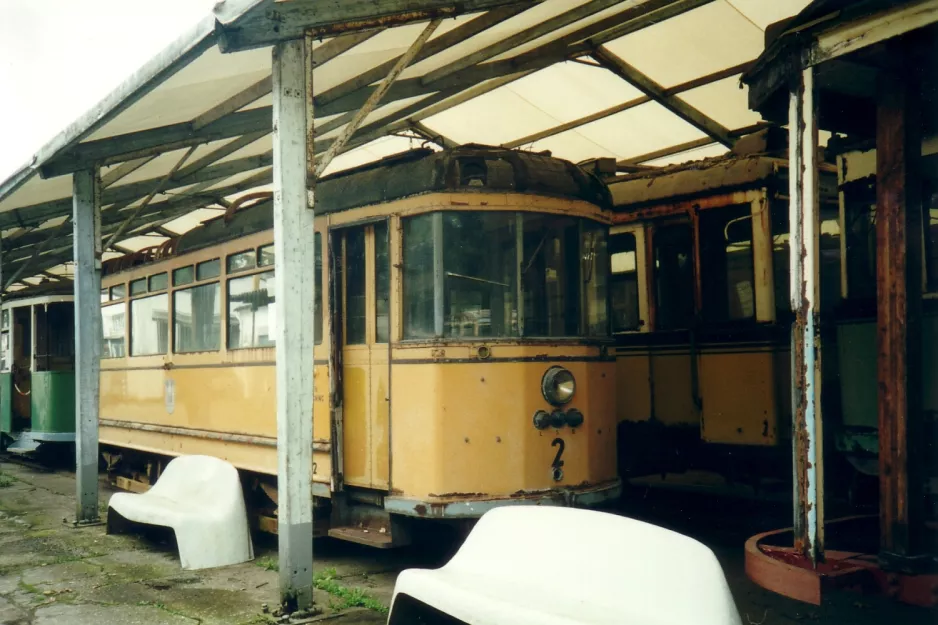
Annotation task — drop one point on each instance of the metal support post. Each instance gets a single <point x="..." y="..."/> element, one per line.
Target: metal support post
<point x="899" y="321"/>
<point x="86" y="241"/>
<point x="807" y="445"/>
<point x="294" y="282"/>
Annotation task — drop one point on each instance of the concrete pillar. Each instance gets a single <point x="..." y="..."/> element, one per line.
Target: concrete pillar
<point x="86" y="224"/>
<point x="804" y="220"/>
<point x="294" y="283"/>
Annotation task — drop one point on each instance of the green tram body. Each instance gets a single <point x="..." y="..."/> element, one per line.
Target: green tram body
<point x="37" y="369"/>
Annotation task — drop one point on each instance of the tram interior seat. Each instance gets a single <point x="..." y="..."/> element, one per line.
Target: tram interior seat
<point x="201" y="499"/>
<point x="560" y="566"/>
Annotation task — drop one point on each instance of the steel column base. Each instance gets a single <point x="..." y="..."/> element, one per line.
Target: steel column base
<point x="784" y="570"/>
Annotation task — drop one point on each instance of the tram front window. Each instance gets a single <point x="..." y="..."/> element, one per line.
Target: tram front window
<point x="466" y="272"/>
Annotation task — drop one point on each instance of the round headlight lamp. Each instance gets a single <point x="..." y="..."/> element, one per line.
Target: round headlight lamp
<point x="558" y="386"/>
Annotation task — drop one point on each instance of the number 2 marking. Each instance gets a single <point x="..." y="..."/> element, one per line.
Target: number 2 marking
<point x="557" y="463"/>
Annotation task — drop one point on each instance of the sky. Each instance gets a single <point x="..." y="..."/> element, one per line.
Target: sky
<point x="60" y="57"/>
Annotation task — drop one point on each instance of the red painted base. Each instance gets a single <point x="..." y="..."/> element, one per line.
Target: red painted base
<point x="786" y="571"/>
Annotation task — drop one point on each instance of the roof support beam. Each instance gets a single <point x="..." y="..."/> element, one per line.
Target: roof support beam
<point x="124" y="169"/>
<point x="54" y="235"/>
<point x="149" y="198"/>
<point x="657" y="93"/>
<point x="619" y="108"/>
<point x="375" y="97"/>
<point x="441" y="43"/>
<point x="689" y="145"/>
<point x="530" y="34"/>
<point x="273" y="21"/>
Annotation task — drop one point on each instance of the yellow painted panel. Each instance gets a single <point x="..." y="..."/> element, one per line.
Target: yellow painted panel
<point x="739" y="398"/>
<point x="674" y="402"/>
<point x="380" y="417"/>
<point x="245" y="456"/>
<point x="356" y="423"/>
<point x="633" y="390"/>
<point x="469" y="429"/>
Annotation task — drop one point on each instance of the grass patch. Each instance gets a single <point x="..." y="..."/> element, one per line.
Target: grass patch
<point x="268" y="563"/>
<point x="346" y="597"/>
<point x="6" y="481"/>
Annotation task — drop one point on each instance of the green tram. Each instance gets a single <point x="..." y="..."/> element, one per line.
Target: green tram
<point x="37" y="368"/>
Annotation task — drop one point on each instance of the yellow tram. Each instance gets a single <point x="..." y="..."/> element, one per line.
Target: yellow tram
<point x="461" y="343"/>
<point x="699" y="292"/>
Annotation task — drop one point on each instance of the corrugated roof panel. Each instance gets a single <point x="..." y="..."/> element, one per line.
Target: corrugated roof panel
<point x="190" y="220"/>
<point x="700" y="42"/>
<point x="36" y="190"/>
<point x="571" y="146"/>
<point x="714" y="149"/>
<point x="570" y="90"/>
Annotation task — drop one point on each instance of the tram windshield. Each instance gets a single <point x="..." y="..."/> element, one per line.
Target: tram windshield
<point x="504" y="274"/>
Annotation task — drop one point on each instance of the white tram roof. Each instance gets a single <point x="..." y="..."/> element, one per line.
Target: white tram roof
<point x="501" y="72"/>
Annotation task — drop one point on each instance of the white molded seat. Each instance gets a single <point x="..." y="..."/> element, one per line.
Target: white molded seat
<point x="200" y="498"/>
<point x="560" y="566"/>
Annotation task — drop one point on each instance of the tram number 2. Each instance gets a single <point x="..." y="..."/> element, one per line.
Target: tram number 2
<point x="556" y="467"/>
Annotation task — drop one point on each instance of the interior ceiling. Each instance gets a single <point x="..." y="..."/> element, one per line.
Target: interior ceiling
<point x="647" y="82"/>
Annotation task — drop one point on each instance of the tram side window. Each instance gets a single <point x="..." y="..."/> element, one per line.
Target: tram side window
<point x="197" y="319"/>
<point x="251" y="311"/>
<point x="726" y="264"/>
<point x="479" y="269"/>
<point x="355" y="305"/>
<point x="418" y="276"/>
<point x="317" y="303"/>
<point x="382" y="284"/>
<point x="55" y="337"/>
<point x="114" y="326"/>
<point x="930" y="208"/>
<point x="149" y="325"/>
<point x="829" y="255"/>
<point x="594" y="255"/>
<point x="674" y="277"/>
<point x="623" y="283"/>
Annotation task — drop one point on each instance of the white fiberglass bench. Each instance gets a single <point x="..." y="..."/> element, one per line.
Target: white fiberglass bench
<point x="559" y="566"/>
<point x="200" y="498"/>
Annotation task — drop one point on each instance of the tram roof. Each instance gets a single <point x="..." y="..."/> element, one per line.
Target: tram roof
<point x="645" y="82"/>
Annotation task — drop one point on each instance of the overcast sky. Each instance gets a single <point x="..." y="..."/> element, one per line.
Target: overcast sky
<point x="59" y="57"/>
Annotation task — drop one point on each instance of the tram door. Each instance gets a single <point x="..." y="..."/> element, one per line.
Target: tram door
<point x="22" y="367"/>
<point x="364" y="277"/>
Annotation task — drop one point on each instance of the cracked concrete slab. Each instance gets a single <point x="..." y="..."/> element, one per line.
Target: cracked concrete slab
<point x="108" y="615"/>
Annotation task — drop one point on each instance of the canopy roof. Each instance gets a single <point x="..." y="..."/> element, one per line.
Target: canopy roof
<point x="646" y="82"/>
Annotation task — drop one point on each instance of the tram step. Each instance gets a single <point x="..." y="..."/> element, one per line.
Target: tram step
<point x="361" y="536"/>
<point x="24" y="444"/>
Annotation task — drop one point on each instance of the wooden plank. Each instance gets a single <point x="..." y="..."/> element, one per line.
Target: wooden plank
<point x="872" y="29"/>
<point x="899" y="316"/>
<point x="336" y="146"/>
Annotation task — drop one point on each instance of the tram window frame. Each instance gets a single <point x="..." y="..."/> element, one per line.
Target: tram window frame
<point x="266" y="257"/>
<point x="930" y="236"/>
<point x="118" y="292"/>
<point x="356" y="285"/>
<point x="619" y="246"/>
<point x="162" y="339"/>
<point x="317" y="296"/>
<point x="250" y="255"/>
<point x="181" y="277"/>
<point x="161" y="281"/>
<point x="432" y="255"/>
<point x="191" y="291"/>
<point x="723" y="299"/>
<point x="830" y="258"/>
<point x="135" y="287"/>
<point x="676" y="292"/>
<point x="108" y="312"/>
<point x="270" y="341"/>
<point x="208" y="269"/>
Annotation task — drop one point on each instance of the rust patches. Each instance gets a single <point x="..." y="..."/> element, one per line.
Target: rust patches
<point x="385" y="21"/>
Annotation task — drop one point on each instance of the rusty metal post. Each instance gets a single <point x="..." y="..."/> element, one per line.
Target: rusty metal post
<point x="807" y="445"/>
<point x="899" y="314"/>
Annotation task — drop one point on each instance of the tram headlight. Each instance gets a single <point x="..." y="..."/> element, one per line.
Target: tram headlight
<point x="558" y="386"/>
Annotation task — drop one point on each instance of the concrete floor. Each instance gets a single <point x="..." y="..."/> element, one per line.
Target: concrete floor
<point x="51" y="573"/>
